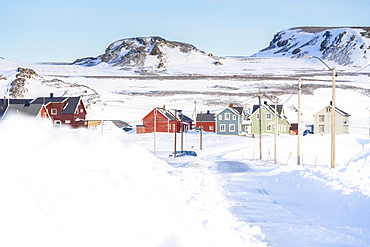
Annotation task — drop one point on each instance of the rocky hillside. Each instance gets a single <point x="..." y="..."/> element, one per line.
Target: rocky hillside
<point x="345" y="46"/>
<point x="152" y="52"/>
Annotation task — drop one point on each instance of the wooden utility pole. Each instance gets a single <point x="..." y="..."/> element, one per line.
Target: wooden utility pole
<point x="182" y="131"/>
<point x="276" y="129"/>
<point x="333" y="110"/>
<point x="201" y="133"/>
<point x="174" y="131"/>
<point x="299" y="123"/>
<point x="260" y="120"/>
<point x="155" y="132"/>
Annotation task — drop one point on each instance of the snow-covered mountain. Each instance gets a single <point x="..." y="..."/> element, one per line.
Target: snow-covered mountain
<point x="154" y="52"/>
<point x="345" y="46"/>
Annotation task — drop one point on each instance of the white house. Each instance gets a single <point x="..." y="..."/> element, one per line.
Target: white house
<point x="322" y="121"/>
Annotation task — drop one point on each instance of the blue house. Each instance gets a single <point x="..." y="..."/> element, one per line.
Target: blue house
<point x="232" y="121"/>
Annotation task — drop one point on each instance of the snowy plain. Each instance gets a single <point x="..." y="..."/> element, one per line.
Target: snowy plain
<point x="94" y="187"/>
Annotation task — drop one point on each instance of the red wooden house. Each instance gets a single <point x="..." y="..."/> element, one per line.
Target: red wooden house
<point x="64" y="110"/>
<point x="163" y="120"/>
<point x="207" y="121"/>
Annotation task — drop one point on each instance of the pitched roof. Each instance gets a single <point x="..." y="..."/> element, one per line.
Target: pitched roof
<point x="343" y="113"/>
<point x="184" y="117"/>
<point x="166" y="114"/>
<point x="47" y="100"/>
<point x="71" y="105"/>
<point x="206" y="117"/>
<point x="4" y="103"/>
<point x="237" y="110"/>
<point x="270" y="107"/>
<point x="27" y="109"/>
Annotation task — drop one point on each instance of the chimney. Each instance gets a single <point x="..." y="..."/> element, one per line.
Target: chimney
<point x="331" y="103"/>
<point x="164" y="107"/>
<point x="51" y="95"/>
<point x="231" y="105"/>
<point x="208" y="112"/>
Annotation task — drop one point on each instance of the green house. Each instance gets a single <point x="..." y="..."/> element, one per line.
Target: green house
<point x="268" y="119"/>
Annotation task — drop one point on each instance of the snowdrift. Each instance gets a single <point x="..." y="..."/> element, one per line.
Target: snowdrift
<point x="61" y="187"/>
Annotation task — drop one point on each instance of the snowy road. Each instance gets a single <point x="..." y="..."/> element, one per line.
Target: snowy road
<point x="289" y="212"/>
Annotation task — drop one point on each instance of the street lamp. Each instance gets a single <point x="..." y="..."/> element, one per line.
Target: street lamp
<point x="333" y="109"/>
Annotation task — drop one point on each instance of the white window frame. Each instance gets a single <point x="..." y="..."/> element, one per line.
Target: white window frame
<point x="321" y="128"/>
<point x="257" y="116"/>
<point x="227" y="116"/>
<point x="321" y="118"/>
<point x="67" y="121"/>
<point x="268" y="116"/>
<point x="220" y="117"/>
<point x="54" y="111"/>
<point x="234" y="117"/>
<point x="222" y="127"/>
<point x="232" y="128"/>
<point x="268" y="127"/>
<point x="211" y="128"/>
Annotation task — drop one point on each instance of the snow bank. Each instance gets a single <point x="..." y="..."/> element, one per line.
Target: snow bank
<point x="62" y="187"/>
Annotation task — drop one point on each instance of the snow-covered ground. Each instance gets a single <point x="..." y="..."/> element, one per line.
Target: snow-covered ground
<point x="94" y="187"/>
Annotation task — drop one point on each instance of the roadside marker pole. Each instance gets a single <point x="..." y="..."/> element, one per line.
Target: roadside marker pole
<point x="288" y="158"/>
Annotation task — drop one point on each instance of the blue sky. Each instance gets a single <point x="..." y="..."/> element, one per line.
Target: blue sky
<point x="62" y="31"/>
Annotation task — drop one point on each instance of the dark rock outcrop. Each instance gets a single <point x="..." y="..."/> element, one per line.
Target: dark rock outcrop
<point x="136" y="52"/>
<point x="344" y="46"/>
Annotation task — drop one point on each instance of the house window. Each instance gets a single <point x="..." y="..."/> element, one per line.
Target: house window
<point x="219" y="117"/>
<point x="268" y="116"/>
<point x="232" y="127"/>
<point x="67" y="121"/>
<point x="268" y="127"/>
<point x="321" y="128"/>
<point x="54" y="112"/>
<point x="345" y="121"/>
<point x="81" y="110"/>
<point x="321" y="118"/>
<point x="227" y="116"/>
<point x="222" y="128"/>
<point x="210" y="127"/>
<point x="258" y="116"/>
<point x="57" y="123"/>
<point x="234" y="117"/>
<point x="246" y="128"/>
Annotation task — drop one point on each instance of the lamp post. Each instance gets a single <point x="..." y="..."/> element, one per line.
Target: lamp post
<point x="333" y="108"/>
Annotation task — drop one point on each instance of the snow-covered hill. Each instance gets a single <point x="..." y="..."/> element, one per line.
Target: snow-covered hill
<point x="150" y="52"/>
<point x="344" y="46"/>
